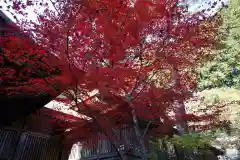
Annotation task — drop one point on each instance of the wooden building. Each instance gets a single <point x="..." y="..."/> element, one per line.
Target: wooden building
<point x="26" y="133"/>
<point x="16" y="106"/>
<point x="34" y="137"/>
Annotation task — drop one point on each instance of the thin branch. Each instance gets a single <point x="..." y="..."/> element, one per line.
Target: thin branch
<point x="146" y="129"/>
<point x="55" y="7"/>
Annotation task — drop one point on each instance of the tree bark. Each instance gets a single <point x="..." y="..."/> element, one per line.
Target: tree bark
<point x="181" y="126"/>
<point x="138" y="134"/>
<point x="179" y="109"/>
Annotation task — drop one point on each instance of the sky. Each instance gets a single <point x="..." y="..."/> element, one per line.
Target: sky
<point x="195" y="5"/>
<point x="198" y="5"/>
<point x="30" y="10"/>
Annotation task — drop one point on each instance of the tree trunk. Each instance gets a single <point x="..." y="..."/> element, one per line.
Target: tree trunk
<point x="178" y="105"/>
<point x="138" y="134"/>
<point x="179" y="108"/>
<point x="182" y="126"/>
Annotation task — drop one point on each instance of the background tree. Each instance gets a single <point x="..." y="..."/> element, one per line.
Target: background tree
<point x="223" y="69"/>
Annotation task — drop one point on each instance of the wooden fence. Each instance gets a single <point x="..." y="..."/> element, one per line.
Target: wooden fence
<point x="22" y="145"/>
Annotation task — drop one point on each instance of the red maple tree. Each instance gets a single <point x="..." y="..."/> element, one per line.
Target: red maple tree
<point x="137" y="57"/>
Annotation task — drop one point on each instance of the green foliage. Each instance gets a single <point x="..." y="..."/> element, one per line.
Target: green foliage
<point x="159" y="148"/>
<point x="163" y="148"/>
<point x="197" y="141"/>
<point x="224" y="68"/>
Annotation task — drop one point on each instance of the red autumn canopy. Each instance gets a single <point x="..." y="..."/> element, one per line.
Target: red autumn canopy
<point x="137" y="55"/>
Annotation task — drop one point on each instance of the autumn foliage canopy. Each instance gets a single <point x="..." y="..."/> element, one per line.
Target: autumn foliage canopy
<point x="134" y="57"/>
